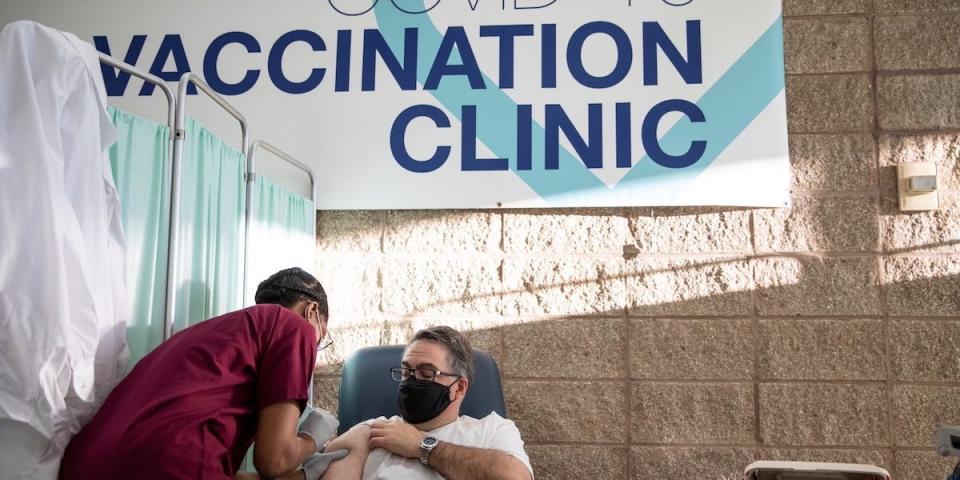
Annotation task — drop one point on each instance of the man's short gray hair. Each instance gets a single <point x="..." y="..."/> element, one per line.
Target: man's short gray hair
<point x="459" y="351"/>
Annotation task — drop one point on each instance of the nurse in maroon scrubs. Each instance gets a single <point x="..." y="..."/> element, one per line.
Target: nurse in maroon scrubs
<point x="191" y="408"/>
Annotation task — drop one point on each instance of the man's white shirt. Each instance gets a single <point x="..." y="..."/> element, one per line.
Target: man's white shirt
<point x="492" y="432"/>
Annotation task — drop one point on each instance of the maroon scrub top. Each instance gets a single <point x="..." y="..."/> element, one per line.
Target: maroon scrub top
<point x="189" y="409"/>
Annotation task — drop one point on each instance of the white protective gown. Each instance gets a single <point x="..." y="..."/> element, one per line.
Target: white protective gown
<point x="62" y="296"/>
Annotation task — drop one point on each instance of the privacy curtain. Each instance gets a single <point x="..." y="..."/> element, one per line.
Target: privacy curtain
<point x="210" y="259"/>
<point x="282" y="233"/>
<point x="140" y="160"/>
<point x="209" y="265"/>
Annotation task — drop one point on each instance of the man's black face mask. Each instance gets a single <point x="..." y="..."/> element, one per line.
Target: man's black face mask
<point x="422" y="400"/>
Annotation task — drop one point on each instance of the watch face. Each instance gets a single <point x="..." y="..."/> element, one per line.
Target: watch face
<point x="430" y="442"/>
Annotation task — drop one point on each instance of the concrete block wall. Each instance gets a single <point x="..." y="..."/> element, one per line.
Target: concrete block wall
<point x="825" y="332"/>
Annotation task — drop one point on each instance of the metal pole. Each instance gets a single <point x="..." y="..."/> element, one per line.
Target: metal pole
<point x="181" y="119"/>
<point x="176" y="146"/>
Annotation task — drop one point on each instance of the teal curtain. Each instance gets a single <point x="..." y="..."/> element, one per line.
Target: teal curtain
<point x="210" y="259"/>
<point x="140" y="160"/>
<point x="281" y="233"/>
<point x="209" y="265"/>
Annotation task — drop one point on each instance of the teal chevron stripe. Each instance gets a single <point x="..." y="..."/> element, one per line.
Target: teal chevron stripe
<point x="731" y="104"/>
<point x="741" y="94"/>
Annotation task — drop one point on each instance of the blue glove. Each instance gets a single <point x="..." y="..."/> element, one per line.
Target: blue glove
<point x="320" y="425"/>
<point x="315" y="466"/>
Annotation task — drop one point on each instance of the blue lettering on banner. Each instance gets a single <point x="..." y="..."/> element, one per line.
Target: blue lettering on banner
<point x="212" y="75"/>
<point x="399" y="146"/>
<point x="170" y="47"/>
<point x="575" y="55"/>
<point x="417" y="57"/>
<point x="454" y="58"/>
<point x="275" y="62"/>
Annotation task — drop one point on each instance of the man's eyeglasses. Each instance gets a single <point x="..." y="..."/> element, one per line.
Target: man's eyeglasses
<point x="400" y="374"/>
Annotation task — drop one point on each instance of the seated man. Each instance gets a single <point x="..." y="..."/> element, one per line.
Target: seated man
<point x="432" y="440"/>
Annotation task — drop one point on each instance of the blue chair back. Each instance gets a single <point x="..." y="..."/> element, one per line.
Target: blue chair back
<point x="367" y="391"/>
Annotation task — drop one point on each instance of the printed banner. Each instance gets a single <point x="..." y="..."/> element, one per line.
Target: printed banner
<point x="429" y="104"/>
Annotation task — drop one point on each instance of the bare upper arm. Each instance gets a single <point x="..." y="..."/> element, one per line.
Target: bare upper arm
<point x="276" y="428"/>
<point x="356" y="440"/>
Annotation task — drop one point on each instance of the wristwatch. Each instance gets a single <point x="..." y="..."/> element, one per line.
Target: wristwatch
<point x="426" y="446"/>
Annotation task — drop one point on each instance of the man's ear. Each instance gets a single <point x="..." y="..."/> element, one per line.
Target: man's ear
<point x="461" y="389"/>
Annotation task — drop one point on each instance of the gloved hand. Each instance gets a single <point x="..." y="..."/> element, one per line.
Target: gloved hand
<point x="320" y="425"/>
<point x="317" y="464"/>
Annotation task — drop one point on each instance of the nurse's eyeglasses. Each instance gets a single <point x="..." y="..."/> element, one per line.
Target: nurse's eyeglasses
<point x="327" y="342"/>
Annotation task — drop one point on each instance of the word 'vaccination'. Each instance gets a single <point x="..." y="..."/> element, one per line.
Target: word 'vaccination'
<point x="404" y="61"/>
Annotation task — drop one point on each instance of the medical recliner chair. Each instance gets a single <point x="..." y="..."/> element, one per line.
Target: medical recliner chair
<point x="367" y="391"/>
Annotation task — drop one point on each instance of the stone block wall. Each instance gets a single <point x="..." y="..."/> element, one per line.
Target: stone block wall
<point x="829" y="331"/>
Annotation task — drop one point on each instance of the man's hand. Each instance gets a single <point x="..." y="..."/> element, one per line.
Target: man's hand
<point x="396" y="437"/>
<point x="357" y="438"/>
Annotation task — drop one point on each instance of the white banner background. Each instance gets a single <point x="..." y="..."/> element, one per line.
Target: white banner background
<point x="345" y="136"/>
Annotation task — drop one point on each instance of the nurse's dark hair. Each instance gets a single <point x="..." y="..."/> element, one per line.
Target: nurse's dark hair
<point x="460" y="353"/>
<point x="290" y="287"/>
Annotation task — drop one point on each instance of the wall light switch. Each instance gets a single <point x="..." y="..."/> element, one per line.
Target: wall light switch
<point x="917" y="183"/>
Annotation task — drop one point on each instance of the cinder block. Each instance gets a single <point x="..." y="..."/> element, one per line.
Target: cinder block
<point x="812" y="349"/>
<point x="589" y="412"/>
<point x="326" y="393"/>
<point x="689" y="286"/>
<point x="926" y="350"/>
<point x="915" y="6"/>
<point x="917" y="42"/>
<point x="489" y="340"/>
<point x="923" y="465"/>
<point x="587" y="348"/>
<point x="823" y="414"/>
<point x="930" y="231"/>
<point x="441" y="231"/>
<point x="482" y="331"/>
<point x="934" y="231"/>
<point x="829" y="103"/>
<point x="692" y="230"/>
<point x="351" y="335"/>
<point x="919" y="409"/>
<point x="351" y="282"/>
<point x="833" y="162"/>
<point x="576" y="462"/>
<point x="707" y="413"/>
<point x="714" y="349"/>
<point x="824" y="7"/>
<point x="940" y="148"/>
<point x="827" y="45"/>
<point x="923" y="286"/>
<point x="565" y="231"/>
<point x="910" y="102"/>
<point x="348" y="231"/>
<point x="818" y="225"/>
<point x="689" y="463"/>
<point x="812" y="286"/>
<point x="441" y="285"/>
<point x="563" y="286"/>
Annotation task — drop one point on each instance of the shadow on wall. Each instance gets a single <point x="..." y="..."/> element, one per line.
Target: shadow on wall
<point x="651" y="365"/>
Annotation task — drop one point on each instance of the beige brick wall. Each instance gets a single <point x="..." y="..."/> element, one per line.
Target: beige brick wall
<point x="826" y="332"/>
